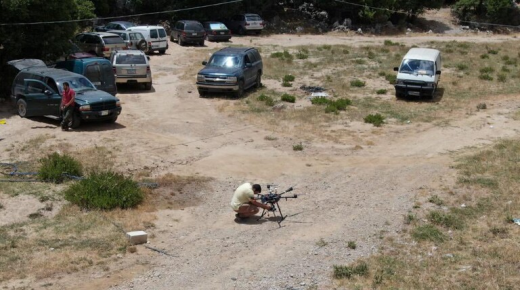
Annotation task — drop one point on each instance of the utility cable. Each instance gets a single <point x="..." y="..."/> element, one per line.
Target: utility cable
<point x="119" y="17"/>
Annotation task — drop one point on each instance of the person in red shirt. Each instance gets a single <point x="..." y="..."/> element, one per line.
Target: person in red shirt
<point x="67" y="105"/>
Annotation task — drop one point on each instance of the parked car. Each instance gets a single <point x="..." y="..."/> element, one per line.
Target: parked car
<point x="100" y="43"/>
<point x="188" y="31"/>
<point x="216" y="31"/>
<point x="116" y="25"/>
<point x="231" y="69"/>
<point x="155" y="36"/>
<point x="419" y="73"/>
<point x="37" y="91"/>
<point x="132" y="66"/>
<point x="97" y="69"/>
<point x="133" y="39"/>
<point x="245" y="23"/>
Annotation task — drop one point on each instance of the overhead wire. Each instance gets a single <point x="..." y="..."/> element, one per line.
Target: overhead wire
<point x="120" y="17"/>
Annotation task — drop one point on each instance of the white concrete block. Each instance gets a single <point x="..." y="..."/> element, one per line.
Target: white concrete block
<point x="137" y="237"/>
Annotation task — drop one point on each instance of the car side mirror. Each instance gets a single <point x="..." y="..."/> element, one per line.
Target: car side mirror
<point x="147" y="57"/>
<point x="396" y="69"/>
<point x="204" y="63"/>
<point x="248" y="64"/>
<point x="47" y="92"/>
<point x="438" y="72"/>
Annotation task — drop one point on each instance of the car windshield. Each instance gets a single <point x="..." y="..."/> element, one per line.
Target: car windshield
<point x="194" y="26"/>
<point x="418" y="67"/>
<point x="130" y="59"/>
<point x="226" y="61"/>
<point x="217" y="26"/>
<point x="78" y="84"/>
<point x="113" y="40"/>
<point x="253" y="18"/>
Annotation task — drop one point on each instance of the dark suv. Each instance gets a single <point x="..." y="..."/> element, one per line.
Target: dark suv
<point x="244" y="23"/>
<point x="188" y="31"/>
<point x="37" y="90"/>
<point x="231" y="69"/>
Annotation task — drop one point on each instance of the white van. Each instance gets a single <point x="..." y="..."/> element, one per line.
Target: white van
<point x="419" y="73"/>
<point x="155" y="36"/>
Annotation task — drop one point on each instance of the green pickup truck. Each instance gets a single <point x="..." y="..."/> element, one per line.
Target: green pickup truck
<point x="37" y="90"/>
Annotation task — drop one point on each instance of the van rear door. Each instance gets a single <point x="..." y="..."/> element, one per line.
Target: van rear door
<point x="102" y="76"/>
<point x="159" y="39"/>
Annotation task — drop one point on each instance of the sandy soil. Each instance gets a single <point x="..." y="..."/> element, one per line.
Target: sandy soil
<point x="358" y="190"/>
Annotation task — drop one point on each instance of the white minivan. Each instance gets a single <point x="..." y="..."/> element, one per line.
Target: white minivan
<point x="154" y="35"/>
<point x="419" y="73"/>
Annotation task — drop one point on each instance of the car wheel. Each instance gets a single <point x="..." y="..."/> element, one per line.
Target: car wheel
<point x="259" y="80"/>
<point x="241" y="30"/>
<point x="142" y="45"/>
<point x="148" y="86"/>
<point x="399" y="95"/>
<point x="258" y="32"/>
<point x="113" y="119"/>
<point x="75" y="121"/>
<point x="162" y="51"/>
<point x="180" y="41"/>
<point x="171" y="38"/>
<point x="202" y="43"/>
<point x="202" y="93"/>
<point x="22" y="108"/>
<point x="240" y="92"/>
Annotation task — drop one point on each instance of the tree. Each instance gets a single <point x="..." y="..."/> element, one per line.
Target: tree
<point x="494" y="11"/>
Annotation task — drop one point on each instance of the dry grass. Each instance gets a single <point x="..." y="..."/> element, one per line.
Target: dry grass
<point x="333" y="67"/>
<point x="481" y="254"/>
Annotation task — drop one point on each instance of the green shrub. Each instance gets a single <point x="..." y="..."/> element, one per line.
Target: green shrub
<point x="428" y="233"/>
<point x="288" y="78"/>
<point x="371" y="54"/>
<point x="382" y="74"/>
<point x="331" y="109"/>
<point x="341" y="104"/>
<point x="492" y="51"/>
<point x="301" y="55"/>
<point x="54" y="166"/>
<point x="357" y="83"/>
<point x="277" y="54"/>
<point x="266" y="99"/>
<point x="501" y="78"/>
<point x="505" y="69"/>
<point x="462" y="66"/>
<point x="286" y="84"/>
<point x="352" y="245"/>
<point x="390" y="43"/>
<point x="285" y="55"/>
<point x="320" y="101"/>
<point x="288" y="98"/>
<point x="345" y="51"/>
<point x="512" y="61"/>
<point x="391" y="78"/>
<point x="505" y="57"/>
<point x="435" y="199"/>
<point x="105" y="190"/>
<point x="360" y="61"/>
<point x="376" y="119"/>
<point x="484" y="56"/>
<point x="485" y="77"/>
<point x="381" y="91"/>
<point x="298" y="147"/>
<point x="327" y="46"/>
<point x="487" y="70"/>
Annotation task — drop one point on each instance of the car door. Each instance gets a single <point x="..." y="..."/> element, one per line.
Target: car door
<point x="249" y="72"/>
<point x="40" y="98"/>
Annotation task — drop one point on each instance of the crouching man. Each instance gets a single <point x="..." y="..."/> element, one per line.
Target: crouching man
<point x="244" y="203"/>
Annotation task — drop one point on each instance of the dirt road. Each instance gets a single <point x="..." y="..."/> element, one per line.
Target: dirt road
<point x="348" y="194"/>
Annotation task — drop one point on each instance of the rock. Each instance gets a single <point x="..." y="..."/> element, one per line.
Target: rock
<point x="233" y="278"/>
<point x="359" y="31"/>
<point x="279" y="107"/>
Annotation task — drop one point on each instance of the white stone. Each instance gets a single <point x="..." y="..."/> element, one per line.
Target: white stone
<point x="137" y="237"/>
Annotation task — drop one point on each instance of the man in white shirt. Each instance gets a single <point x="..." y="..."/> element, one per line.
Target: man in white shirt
<point x="244" y="203"/>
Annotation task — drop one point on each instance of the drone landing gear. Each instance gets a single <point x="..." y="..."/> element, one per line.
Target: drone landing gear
<point x="276" y="208"/>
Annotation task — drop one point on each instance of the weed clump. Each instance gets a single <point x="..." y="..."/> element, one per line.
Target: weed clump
<point x="341" y="272"/>
<point x="428" y="233"/>
<point x="288" y="98"/>
<point x="375" y="119"/>
<point x="390" y="43"/>
<point x="381" y="91"/>
<point x="332" y="106"/>
<point x="485" y="77"/>
<point x="266" y="99"/>
<point x="357" y="83"/>
<point x="105" y="190"/>
<point x="288" y="78"/>
<point x="351" y="245"/>
<point x="285" y="55"/>
<point x="298" y="147"/>
<point x="391" y="78"/>
<point x="286" y="84"/>
<point x="445" y="220"/>
<point x="54" y="166"/>
<point x="435" y="199"/>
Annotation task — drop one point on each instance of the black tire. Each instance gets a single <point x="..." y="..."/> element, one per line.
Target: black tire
<point x="171" y="38"/>
<point x="202" y="43"/>
<point x="258" y="32"/>
<point x="240" y="92"/>
<point x="202" y="93"/>
<point x="179" y="40"/>
<point x="113" y="119"/>
<point x="21" y="106"/>
<point x="162" y="51"/>
<point x="258" y="80"/>
<point x="399" y="95"/>
<point x="148" y="86"/>
<point x="241" y="30"/>
<point x="75" y="121"/>
<point x="142" y="45"/>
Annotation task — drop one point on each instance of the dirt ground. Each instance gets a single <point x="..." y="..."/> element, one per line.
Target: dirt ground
<point x="358" y="190"/>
